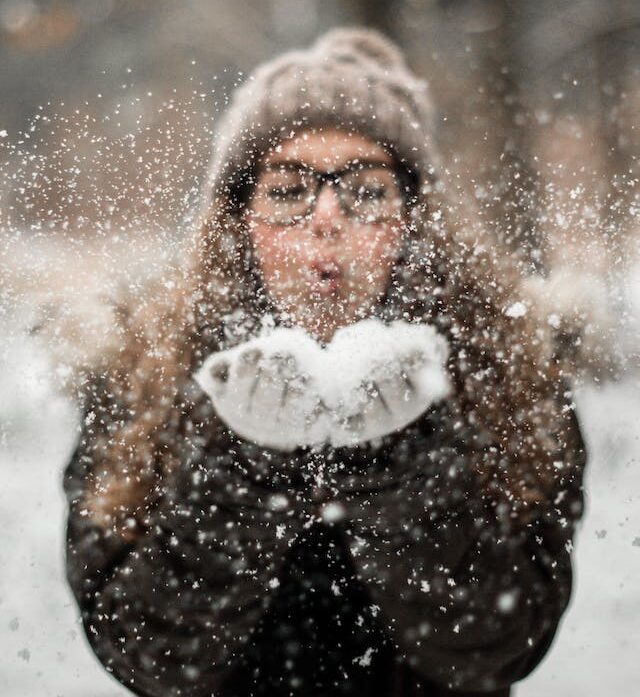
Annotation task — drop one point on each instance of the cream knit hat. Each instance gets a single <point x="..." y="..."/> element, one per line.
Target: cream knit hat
<point x="353" y="79"/>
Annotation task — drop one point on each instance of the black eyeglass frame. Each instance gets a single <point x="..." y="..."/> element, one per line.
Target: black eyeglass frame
<point x="405" y="181"/>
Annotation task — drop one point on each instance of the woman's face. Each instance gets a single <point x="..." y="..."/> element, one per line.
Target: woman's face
<point x="326" y="218"/>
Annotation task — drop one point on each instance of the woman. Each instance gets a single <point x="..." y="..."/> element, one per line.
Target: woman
<point x="212" y="555"/>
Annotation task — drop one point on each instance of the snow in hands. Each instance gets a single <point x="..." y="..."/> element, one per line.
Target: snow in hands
<point x="283" y="390"/>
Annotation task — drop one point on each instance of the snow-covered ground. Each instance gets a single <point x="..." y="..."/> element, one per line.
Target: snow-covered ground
<point x="42" y="646"/>
<point x="595" y="652"/>
<point x="43" y="652"/>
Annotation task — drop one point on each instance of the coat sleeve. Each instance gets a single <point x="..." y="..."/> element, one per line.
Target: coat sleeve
<point x="168" y="610"/>
<point x="473" y="602"/>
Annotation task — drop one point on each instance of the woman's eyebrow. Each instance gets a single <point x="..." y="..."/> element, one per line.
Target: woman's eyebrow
<point x="298" y="164"/>
<point x="284" y="164"/>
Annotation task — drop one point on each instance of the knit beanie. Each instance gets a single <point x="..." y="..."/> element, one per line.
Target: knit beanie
<point x="351" y="78"/>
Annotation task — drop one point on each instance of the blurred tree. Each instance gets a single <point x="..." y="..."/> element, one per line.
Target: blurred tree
<point x="380" y="14"/>
<point x="513" y="205"/>
<point x="614" y="50"/>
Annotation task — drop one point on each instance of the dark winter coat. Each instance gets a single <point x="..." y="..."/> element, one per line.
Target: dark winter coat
<point x="356" y="571"/>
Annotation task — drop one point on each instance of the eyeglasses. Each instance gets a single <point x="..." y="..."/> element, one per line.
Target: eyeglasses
<point x="369" y="192"/>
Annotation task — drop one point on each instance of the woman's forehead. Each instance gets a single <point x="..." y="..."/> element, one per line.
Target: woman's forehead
<point x="326" y="150"/>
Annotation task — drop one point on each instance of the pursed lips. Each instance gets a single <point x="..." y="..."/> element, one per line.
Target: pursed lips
<point x="325" y="277"/>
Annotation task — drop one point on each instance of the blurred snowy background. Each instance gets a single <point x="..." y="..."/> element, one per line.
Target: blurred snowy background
<point x="106" y="121"/>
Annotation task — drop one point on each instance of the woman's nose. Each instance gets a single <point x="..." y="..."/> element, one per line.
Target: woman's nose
<point x="328" y="216"/>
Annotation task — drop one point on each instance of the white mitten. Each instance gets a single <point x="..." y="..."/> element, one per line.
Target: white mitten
<point x="387" y="376"/>
<point x="283" y="390"/>
<point x="263" y="388"/>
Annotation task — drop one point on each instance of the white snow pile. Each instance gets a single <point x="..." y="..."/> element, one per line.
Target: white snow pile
<point x="284" y="390"/>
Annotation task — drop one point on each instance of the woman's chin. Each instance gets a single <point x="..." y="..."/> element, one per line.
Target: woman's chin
<point x="321" y="319"/>
<point x="321" y="332"/>
<point x="322" y="327"/>
<point x="318" y="325"/>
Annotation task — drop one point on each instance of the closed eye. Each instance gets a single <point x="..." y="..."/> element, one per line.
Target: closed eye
<point x="372" y="193"/>
<point x="286" y="193"/>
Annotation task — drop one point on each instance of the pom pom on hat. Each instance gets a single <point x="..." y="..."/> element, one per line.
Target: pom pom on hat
<point x="356" y="43"/>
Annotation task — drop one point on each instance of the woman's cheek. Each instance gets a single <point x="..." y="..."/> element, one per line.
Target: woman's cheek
<point x="376" y="250"/>
<point x="277" y="250"/>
